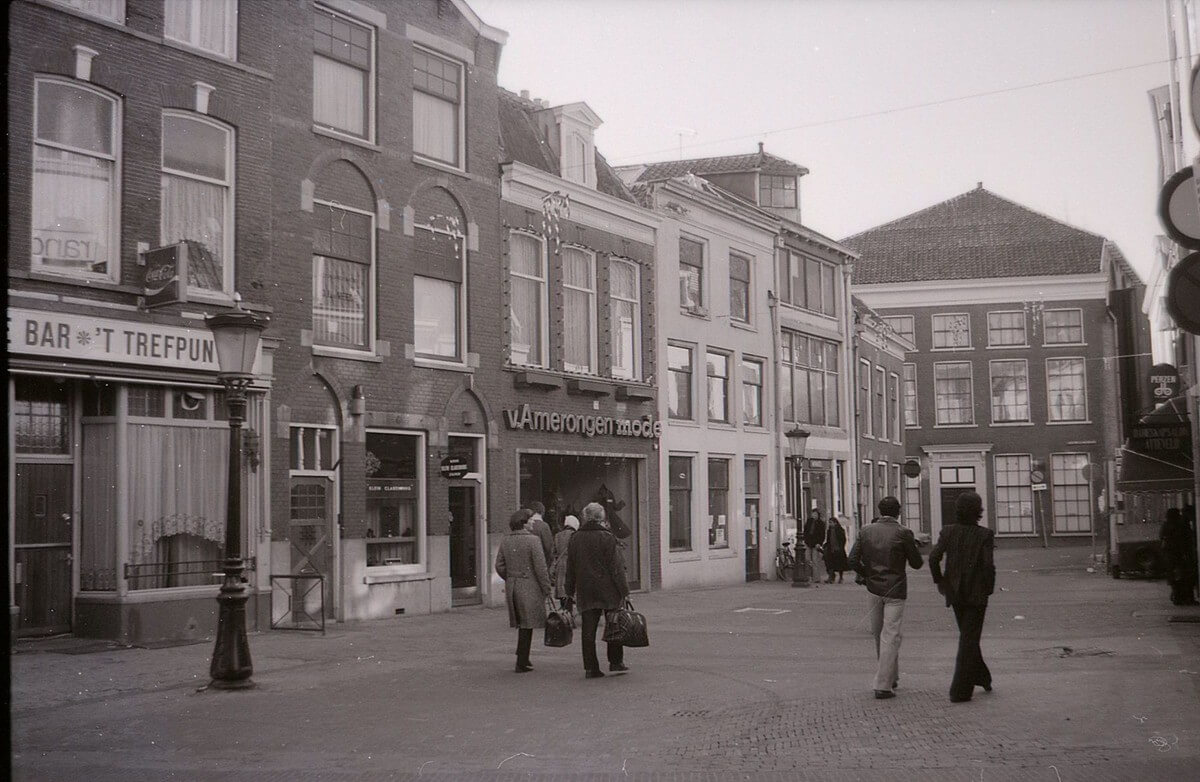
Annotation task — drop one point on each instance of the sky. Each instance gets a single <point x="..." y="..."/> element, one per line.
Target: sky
<point x="830" y="85"/>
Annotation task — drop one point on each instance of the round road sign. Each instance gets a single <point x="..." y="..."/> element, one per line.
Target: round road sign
<point x="1179" y="209"/>
<point x="912" y="468"/>
<point x="1183" y="294"/>
<point x="1037" y="476"/>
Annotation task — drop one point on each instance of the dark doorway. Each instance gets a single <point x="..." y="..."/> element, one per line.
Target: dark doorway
<point x="43" y="548"/>
<point x="464" y="549"/>
<point x="949" y="497"/>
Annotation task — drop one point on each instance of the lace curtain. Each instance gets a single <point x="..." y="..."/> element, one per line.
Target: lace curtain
<point x="211" y="23"/>
<point x="577" y="305"/>
<point x="435" y="127"/>
<point x="339" y="308"/>
<point x="525" y="306"/>
<point x="196" y="210"/>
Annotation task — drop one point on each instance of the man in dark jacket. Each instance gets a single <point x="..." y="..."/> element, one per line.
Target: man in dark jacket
<point x="814" y="536"/>
<point x="879" y="555"/>
<point x="596" y="582"/>
<point x="538" y="526"/>
<point x="969" y="579"/>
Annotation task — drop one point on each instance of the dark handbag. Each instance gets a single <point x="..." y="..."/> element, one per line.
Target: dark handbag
<point x="626" y="627"/>
<point x="560" y="627"/>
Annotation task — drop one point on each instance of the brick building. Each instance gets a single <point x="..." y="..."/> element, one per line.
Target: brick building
<point x="1012" y="389"/>
<point x="132" y="125"/>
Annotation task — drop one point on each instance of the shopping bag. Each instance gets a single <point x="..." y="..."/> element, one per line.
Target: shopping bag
<point x="560" y="627"/>
<point x="626" y="627"/>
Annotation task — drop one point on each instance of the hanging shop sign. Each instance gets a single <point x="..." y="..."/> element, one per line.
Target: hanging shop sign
<point x="166" y="275"/>
<point x="1163" y="439"/>
<point x="912" y="468"/>
<point x="524" y="417"/>
<point x="453" y="467"/>
<point x="1164" y="383"/>
<point x="89" y="338"/>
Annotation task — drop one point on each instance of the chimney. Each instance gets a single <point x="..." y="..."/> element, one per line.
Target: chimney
<point x="524" y="94"/>
<point x="760" y="147"/>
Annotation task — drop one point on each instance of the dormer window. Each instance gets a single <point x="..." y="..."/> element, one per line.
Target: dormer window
<point x="577" y="163"/>
<point x="777" y="191"/>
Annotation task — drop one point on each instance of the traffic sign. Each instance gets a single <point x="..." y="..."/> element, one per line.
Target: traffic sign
<point x="912" y="468"/>
<point x="1183" y="293"/>
<point x="1037" y="476"/>
<point x="1039" y="487"/>
<point x="1195" y="101"/>
<point x="1179" y="209"/>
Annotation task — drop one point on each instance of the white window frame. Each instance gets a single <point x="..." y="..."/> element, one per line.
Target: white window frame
<point x="372" y="297"/>
<point x="1087" y="500"/>
<point x="866" y="426"/>
<point x="699" y="307"/>
<point x="1024" y="330"/>
<point x="1045" y="331"/>
<point x="1083" y="389"/>
<point x="79" y="7"/>
<point x="992" y="392"/>
<point x="762" y="381"/>
<point x="896" y="405"/>
<point x="879" y="381"/>
<point x="460" y="241"/>
<point x="372" y="77"/>
<point x="113" y="260"/>
<point x="1025" y="488"/>
<point x="910" y="333"/>
<point x="726" y="382"/>
<point x="422" y="565"/>
<point x="730" y="493"/>
<point x="933" y="331"/>
<point x="592" y="367"/>
<point x="866" y="486"/>
<point x="971" y="377"/>
<point x="195" y="9"/>
<point x="227" y="250"/>
<point x="749" y="282"/>
<point x="691" y="509"/>
<point x="910" y="501"/>
<point x="916" y="407"/>
<point x="634" y="372"/>
<point x="460" y="112"/>
<point x="692" y="400"/>
<point x="543" y="360"/>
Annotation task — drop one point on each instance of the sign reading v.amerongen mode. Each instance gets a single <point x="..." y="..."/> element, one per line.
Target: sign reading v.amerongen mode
<point x="89" y="338"/>
<point x="587" y="425"/>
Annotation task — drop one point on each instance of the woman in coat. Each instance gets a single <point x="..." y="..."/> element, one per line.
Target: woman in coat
<point x="835" y="550"/>
<point x="522" y="564"/>
<point x="558" y="571"/>
<point x="595" y="581"/>
<point x="969" y="579"/>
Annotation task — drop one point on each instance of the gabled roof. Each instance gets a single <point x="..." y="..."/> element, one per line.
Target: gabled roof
<point x="521" y="141"/>
<point x="972" y="236"/>
<point x="761" y="161"/>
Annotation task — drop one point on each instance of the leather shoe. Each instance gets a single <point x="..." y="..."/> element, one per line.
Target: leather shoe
<point x="986" y="687"/>
<point x="618" y="667"/>
<point x="959" y="698"/>
<point x="523" y="668"/>
<point x="881" y="695"/>
<point x="593" y="674"/>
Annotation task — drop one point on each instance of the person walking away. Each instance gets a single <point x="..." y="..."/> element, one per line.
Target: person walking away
<point x="835" y="550"/>
<point x="539" y="527"/>
<point x="558" y="571"/>
<point x="595" y="581"/>
<point x="1178" y="548"/>
<point x="522" y="565"/>
<point x="879" y="556"/>
<point x="814" y="536"/>
<point x="969" y="579"/>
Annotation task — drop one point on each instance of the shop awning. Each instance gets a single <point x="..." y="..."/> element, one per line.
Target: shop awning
<point x="1158" y="454"/>
<point x="1142" y="472"/>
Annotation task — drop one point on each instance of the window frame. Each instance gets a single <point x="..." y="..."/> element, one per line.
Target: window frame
<point x="726" y="491"/>
<point x="1024" y="343"/>
<point x="879" y="402"/>
<point x="194" y="12"/>
<point x="690" y="544"/>
<point x="460" y="110"/>
<point x="635" y="369"/>
<point x="934" y="331"/>
<point x="370" y="89"/>
<point x="747" y="283"/>
<point x="938" y="423"/>
<point x="691" y="384"/>
<point x="1083" y="383"/>
<point x="1056" y="500"/>
<point x="865" y="399"/>
<point x="1024" y="493"/>
<point x="914" y="396"/>
<point x="911" y="501"/>
<point x="894" y="406"/>
<point x="724" y="379"/>
<point x="122" y="12"/>
<point x="992" y="392"/>
<point x="422" y="565"/>
<point x="228" y="272"/>
<point x="698" y="307"/>
<point x="797" y="367"/>
<point x="114" y="158"/>
<point x="1046" y="331"/>
<point x="755" y="390"/>
<point x="910" y="333"/>
<point x="369" y="314"/>
<point x="773" y="184"/>
<point x="543" y="299"/>
<point x="593" y="367"/>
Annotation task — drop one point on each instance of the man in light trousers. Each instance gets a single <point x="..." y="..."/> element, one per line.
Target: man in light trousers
<point x="879" y="556"/>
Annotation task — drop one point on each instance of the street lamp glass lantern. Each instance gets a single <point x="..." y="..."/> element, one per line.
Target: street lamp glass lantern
<point x="236" y="335"/>
<point x="797" y="439"/>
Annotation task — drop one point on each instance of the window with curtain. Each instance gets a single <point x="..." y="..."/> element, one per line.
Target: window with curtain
<point x="343" y="74"/>
<point x="910" y="395"/>
<point x="739" y="288"/>
<point x="894" y="405"/>
<point x="879" y="403"/>
<point x="717" y="370"/>
<point x="679" y="383"/>
<point x="210" y="25"/>
<point x="112" y="10"/>
<point x="1066" y="395"/>
<point x="810" y="366"/>
<point x="343" y="277"/>
<point x="691" y="273"/>
<point x="439" y="261"/>
<point x="752" y="392"/>
<point x="1010" y="391"/>
<point x="527" y="300"/>
<point x="777" y="191"/>
<point x="197" y="197"/>
<point x="579" y="310"/>
<point x="1006" y="329"/>
<point x="1063" y="327"/>
<point x="437" y="105"/>
<point x="75" y="187"/>
<point x="1070" y="489"/>
<point x="951" y="331"/>
<point x="864" y="398"/>
<point x="680" y="502"/>
<point x="718" y="503"/>
<point x="1014" y="495"/>
<point x="912" y="504"/>
<point x="953" y="398"/>
<point x="435" y="317"/>
<point x="625" y="313"/>
<point x="902" y="325"/>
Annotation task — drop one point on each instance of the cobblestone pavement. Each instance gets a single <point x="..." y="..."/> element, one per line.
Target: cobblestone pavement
<point x="761" y="681"/>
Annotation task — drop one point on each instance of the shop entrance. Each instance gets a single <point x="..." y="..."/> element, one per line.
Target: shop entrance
<point x="565" y="483"/>
<point x="310" y="536"/>
<point x="950" y="495"/>
<point x="43" y="547"/>
<point x="464" y="555"/>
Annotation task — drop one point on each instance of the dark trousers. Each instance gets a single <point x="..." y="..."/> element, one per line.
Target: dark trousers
<point x="524" y="642"/>
<point x="969" y="668"/>
<point x="591" y="621"/>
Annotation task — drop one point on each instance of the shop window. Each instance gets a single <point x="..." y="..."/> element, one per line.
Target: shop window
<point x="739" y="288"/>
<point x="953" y="396"/>
<point x="717" y="370"/>
<point x="1066" y="389"/>
<point x="189" y="404"/>
<point x="99" y="400"/>
<point x="625" y="312"/>
<point x="579" y="310"/>
<point x="718" y="503"/>
<point x="1014" y="495"/>
<point x="679" y="387"/>
<point x="753" y="493"/>
<point x="343" y="74"/>
<point x="752" y="392"/>
<point x="680" y="502"/>
<point x="210" y="25"/>
<point x="1070" y="489"/>
<point x="76" y="155"/>
<point x="437" y="107"/>
<point x="395" y="516"/>
<point x="691" y="274"/>
<point x="343" y="277"/>
<point x="527" y="300"/>
<point x="42" y="417"/>
<point x="1010" y="391"/>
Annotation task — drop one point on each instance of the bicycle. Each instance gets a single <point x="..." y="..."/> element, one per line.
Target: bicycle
<point x="785" y="561"/>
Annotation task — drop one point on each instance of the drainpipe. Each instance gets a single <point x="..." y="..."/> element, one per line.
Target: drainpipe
<point x="773" y="306"/>
<point x="850" y="476"/>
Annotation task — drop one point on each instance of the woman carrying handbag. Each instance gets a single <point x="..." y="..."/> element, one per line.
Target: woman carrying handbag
<point x="522" y="564"/>
<point x="595" y="582"/>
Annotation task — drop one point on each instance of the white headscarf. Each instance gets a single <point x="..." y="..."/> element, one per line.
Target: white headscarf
<point x="572" y="522"/>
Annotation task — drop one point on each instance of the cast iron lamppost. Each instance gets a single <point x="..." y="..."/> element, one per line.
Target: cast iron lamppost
<point x="797" y="440"/>
<point x="236" y="334"/>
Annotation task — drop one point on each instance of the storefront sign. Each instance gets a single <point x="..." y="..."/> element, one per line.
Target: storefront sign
<point x="166" y="272"/>
<point x="390" y="487"/>
<point x="454" y="467"/>
<point x="587" y="425"/>
<point x="1162" y="439"/>
<point x="89" y="338"/>
<point x="1164" y="382"/>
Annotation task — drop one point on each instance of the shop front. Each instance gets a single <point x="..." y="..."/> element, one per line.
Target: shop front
<point x="118" y="451"/>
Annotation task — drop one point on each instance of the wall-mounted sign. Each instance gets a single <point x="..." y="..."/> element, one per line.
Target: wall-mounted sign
<point x="1163" y="439"/>
<point x="1164" y="383"/>
<point x="453" y="467"/>
<point x="912" y="468"/>
<point x="390" y="487"/>
<point x="89" y="338"/>
<point x="524" y="417"/>
<point x="166" y="275"/>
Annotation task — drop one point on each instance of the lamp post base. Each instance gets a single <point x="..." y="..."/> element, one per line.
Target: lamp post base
<point x="802" y="574"/>
<point x="231" y="665"/>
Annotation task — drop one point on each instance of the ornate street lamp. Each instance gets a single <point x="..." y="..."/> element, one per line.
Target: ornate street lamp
<point x="797" y="440"/>
<point x="236" y="334"/>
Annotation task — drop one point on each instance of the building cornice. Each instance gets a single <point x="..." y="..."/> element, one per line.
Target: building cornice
<point x="925" y="293"/>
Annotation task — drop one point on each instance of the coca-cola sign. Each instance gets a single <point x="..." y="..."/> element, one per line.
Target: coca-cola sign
<point x="166" y="275"/>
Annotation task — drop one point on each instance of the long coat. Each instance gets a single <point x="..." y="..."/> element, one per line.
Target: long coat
<point x="558" y="571"/>
<point x="595" y="569"/>
<point x="522" y="565"/>
<point x="835" y="548"/>
<point x="970" y="575"/>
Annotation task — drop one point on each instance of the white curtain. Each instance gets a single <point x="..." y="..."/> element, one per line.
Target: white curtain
<point x="435" y="127"/>
<point x="196" y="210"/>
<point x="624" y="339"/>
<point x="72" y="211"/>
<point x="525" y="305"/>
<point x="338" y="95"/>
<point x="204" y="24"/>
<point x="435" y="317"/>
<point x="339" y="308"/>
<point x="578" y="310"/>
<point x="109" y="9"/>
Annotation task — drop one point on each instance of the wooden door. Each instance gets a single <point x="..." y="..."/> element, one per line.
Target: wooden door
<point x="464" y="546"/>
<point x="310" y="538"/>
<point x="43" y="548"/>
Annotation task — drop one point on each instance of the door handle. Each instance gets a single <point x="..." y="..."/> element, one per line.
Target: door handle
<point x="65" y="516"/>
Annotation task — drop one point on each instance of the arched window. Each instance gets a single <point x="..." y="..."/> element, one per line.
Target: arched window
<point x="439" y="274"/>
